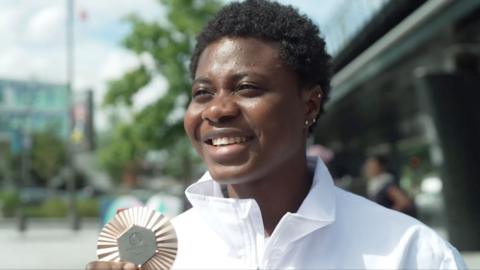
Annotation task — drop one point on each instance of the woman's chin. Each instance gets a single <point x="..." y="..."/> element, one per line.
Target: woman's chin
<point x="231" y="175"/>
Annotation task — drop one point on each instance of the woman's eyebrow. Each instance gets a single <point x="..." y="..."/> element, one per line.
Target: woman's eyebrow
<point x="201" y="80"/>
<point x="238" y="76"/>
<point x="241" y="75"/>
<point x="235" y="77"/>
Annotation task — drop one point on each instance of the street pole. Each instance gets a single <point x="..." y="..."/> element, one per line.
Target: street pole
<point x="26" y="155"/>
<point x="72" y="213"/>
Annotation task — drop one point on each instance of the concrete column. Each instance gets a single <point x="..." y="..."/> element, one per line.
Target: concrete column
<point x="453" y="100"/>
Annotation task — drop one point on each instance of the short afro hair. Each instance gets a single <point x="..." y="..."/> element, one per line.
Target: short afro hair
<point x="301" y="46"/>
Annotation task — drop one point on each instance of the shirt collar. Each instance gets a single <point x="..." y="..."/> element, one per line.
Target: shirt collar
<point x="222" y="214"/>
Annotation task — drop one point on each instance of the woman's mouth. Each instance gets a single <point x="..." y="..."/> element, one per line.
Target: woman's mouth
<point x="226" y="149"/>
<point x="227" y="141"/>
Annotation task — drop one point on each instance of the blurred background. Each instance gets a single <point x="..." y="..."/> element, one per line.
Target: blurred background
<point x="92" y="96"/>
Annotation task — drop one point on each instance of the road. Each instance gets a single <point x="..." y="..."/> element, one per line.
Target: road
<point x="53" y="246"/>
<point x="47" y="245"/>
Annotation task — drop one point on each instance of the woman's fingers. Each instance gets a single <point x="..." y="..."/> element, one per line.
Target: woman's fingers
<point x="129" y="266"/>
<point x="99" y="265"/>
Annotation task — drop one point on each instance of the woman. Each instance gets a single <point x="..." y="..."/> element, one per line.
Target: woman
<point x="261" y="78"/>
<point x="382" y="189"/>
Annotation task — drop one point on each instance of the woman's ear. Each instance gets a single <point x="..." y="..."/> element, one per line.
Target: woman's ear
<point x="312" y="99"/>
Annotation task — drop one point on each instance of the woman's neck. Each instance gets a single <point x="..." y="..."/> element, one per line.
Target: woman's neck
<point x="277" y="193"/>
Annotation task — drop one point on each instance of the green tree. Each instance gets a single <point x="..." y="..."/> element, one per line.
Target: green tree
<point x="8" y="165"/>
<point x="48" y="155"/>
<point x="157" y="126"/>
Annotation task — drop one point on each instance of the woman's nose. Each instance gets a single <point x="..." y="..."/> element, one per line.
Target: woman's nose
<point x="221" y="109"/>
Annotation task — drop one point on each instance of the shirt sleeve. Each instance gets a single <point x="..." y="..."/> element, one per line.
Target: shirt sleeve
<point x="452" y="260"/>
<point x="430" y="251"/>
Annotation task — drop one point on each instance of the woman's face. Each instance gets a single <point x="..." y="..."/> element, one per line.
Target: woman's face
<point x="247" y="114"/>
<point x="372" y="168"/>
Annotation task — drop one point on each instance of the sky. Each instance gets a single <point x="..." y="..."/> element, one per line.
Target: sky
<point x="32" y="41"/>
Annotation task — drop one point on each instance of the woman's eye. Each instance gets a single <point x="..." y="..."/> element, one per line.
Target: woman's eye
<point x="249" y="90"/>
<point x="202" y="94"/>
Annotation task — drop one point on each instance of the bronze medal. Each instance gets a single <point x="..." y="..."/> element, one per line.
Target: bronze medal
<point x="139" y="235"/>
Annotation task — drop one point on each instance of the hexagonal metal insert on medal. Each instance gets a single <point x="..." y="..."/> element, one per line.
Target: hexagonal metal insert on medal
<point x="137" y="245"/>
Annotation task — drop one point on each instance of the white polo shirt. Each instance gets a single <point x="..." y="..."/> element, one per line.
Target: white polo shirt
<point x="332" y="229"/>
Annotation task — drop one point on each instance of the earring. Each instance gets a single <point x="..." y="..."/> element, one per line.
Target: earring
<point x="314" y="120"/>
<point x="319" y="95"/>
<point x="306" y="122"/>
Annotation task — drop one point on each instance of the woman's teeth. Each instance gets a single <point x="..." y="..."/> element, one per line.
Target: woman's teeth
<point x="227" y="141"/>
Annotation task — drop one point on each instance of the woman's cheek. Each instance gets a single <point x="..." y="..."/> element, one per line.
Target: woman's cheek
<point x="191" y="121"/>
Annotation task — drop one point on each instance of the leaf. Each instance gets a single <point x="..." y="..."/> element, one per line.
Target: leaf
<point x="122" y="90"/>
<point x="170" y="46"/>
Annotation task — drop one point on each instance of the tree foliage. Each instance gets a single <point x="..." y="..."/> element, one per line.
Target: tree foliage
<point x="158" y="126"/>
<point x="48" y="155"/>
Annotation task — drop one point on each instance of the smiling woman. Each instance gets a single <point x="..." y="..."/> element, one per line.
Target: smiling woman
<point x="260" y="78"/>
<point x="248" y="107"/>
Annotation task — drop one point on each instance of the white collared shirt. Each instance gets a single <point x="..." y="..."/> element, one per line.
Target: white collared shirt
<point x="332" y="229"/>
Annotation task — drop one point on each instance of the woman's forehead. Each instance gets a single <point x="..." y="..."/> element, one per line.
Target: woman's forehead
<point x="236" y="53"/>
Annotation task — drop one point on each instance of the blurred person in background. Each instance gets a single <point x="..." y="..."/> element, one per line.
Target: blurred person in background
<point x="382" y="188"/>
<point x="260" y="79"/>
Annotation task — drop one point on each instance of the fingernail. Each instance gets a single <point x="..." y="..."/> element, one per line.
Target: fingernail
<point x="129" y="266"/>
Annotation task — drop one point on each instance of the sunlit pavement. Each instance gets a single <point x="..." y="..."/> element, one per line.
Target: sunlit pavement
<point x="472" y="259"/>
<point x="47" y="245"/>
<point x="53" y="245"/>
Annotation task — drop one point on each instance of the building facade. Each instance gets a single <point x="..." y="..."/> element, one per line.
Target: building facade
<point x="28" y="106"/>
<point x="406" y="86"/>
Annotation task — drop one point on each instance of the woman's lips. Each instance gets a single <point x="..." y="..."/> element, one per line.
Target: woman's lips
<point x="228" y="149"/>
<point x="222" y="141"/>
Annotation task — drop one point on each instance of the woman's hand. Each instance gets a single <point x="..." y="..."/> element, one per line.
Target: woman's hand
<point x="400" y="201"/>
<point x="99" y="265"/>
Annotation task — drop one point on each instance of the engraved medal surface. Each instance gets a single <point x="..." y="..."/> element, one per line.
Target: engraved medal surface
<point x="139" y="235"/>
